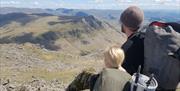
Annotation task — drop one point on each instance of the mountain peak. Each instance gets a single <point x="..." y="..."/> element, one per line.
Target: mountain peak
<point x="92" y="22"/>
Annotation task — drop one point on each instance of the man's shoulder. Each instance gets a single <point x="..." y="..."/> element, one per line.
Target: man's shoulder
<point x="140" y="34"/>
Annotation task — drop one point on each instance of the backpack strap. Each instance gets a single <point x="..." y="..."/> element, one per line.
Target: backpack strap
<point x="127" y="45"/>
<point x="130" y="42"/>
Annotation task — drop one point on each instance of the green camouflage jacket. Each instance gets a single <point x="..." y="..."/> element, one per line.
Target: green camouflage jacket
<point x="84" y="80"/>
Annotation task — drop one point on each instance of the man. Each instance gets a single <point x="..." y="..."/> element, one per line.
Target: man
<point x="131" y="20"/>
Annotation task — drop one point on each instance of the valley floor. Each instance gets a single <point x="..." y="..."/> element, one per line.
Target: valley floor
<point x="27" y="67"/>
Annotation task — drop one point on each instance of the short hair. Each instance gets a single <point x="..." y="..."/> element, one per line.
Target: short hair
<point x="132" y="17"/>
<point x="115" y="56"/>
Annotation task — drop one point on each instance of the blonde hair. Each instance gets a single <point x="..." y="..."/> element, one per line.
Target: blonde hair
<point x="114" y="56"/>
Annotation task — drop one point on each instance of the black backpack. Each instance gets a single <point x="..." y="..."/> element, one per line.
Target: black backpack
<point x="162" y="53"/>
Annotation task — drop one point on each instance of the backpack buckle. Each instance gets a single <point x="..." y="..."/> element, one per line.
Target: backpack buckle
<point x="176" y="54"/>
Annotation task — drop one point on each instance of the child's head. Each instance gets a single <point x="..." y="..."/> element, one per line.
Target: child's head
<point x="114" y="57"/>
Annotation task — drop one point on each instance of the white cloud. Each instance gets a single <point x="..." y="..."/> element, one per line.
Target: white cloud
<point x="160" y="1"/>
<point x="125" y="1"/>
<point x="168" y="2"/>
<point x="164" y="1"/>
<point x="36" y="3"/>
<point x="10" y="2"/>
<point x="92" y="4"/>
<point x="98" y="1"/>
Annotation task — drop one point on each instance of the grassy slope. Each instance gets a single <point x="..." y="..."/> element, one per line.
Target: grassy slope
<point x="72" y="58"/>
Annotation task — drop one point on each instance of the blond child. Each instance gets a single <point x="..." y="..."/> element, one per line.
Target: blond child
<point x="113" y="58"/>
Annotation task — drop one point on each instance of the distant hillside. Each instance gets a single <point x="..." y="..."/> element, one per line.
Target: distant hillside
<point x="163" y="15"/>
<point x="83" y="33"/>
<point x="113" y="15"/>
<point x="110" y="16"/>
<point x="5" y="10"/>
<point x="20" y="18"/>
<point x="18" y="23"/>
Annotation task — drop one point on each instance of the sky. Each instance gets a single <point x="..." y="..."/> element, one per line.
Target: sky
<point x="92" y="4"/>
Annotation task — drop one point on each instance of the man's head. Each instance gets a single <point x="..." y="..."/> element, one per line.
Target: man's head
<point x="131" y="19"/>
<point x="114" y="57"/>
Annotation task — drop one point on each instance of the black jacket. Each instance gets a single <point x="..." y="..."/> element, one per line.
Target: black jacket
<point x="134" y="53"/>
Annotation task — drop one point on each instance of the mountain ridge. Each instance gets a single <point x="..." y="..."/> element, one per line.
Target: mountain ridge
<point x="71" y="28"/>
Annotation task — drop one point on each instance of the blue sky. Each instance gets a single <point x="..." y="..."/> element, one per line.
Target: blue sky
<point x="92" y="4"/>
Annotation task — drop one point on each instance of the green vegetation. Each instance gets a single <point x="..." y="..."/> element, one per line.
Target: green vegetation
<point x="53" y="47"/>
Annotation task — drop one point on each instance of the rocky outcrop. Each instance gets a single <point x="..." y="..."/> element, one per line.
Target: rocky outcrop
<point x="33" y="85"/>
